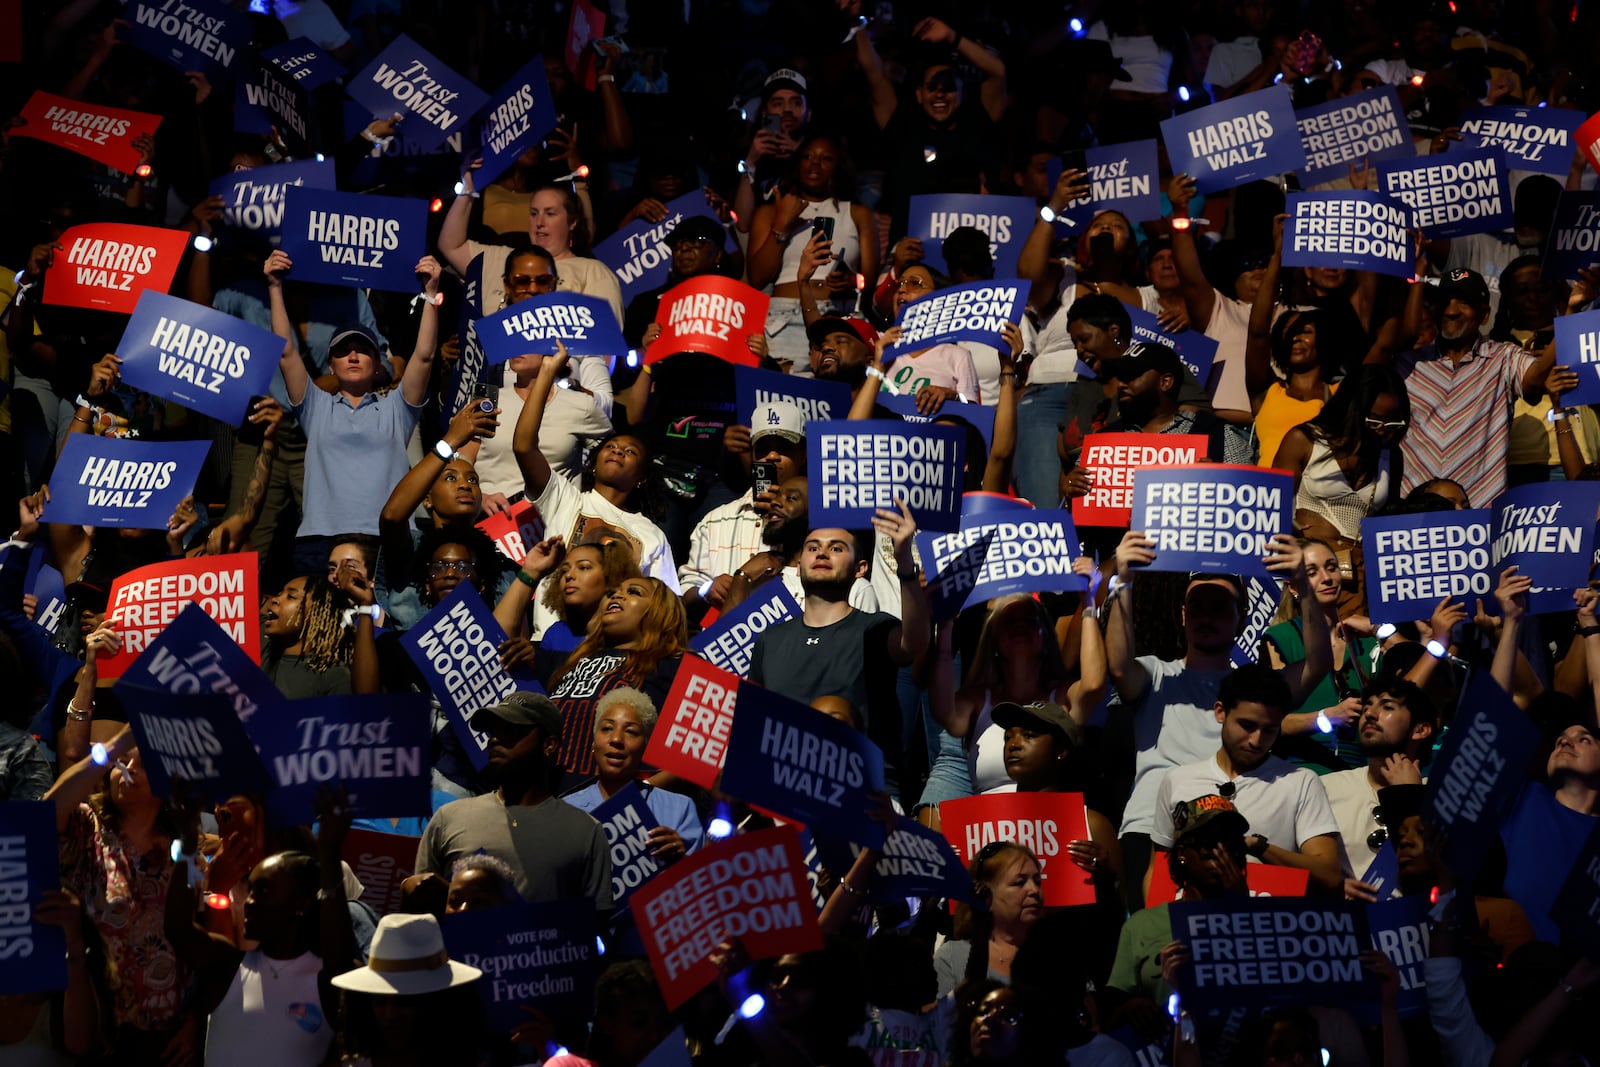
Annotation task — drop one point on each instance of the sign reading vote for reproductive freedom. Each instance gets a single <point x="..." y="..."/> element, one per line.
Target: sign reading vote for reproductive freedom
<point x="1453" y="195"/>
<point x="1112" y="459"/>
<point x="1349" y="131"/>
<point x="103" y="134"/>
<point x="1353" y="229"/>
<point x="33" y="955"/>
<point x="106" y="265"/>
<point x="1195" y="350"/>
<point x="1216" y="518"/>
<point x="515" y="117"/>
<point x="204" y="359"/>
<point x="1414" y="561"/>
<point x="627" y="822"/>
<point x="1235" y="141"/>
<point x="188" y="34"/>
<point x="1005" y="220"/>
<point x="434" y="100"/>
<point x="1122" y="177"/>
<point x="253" y="199"/>
<point x="729" y="642"/>
<point x="376" y="746"/>
<point x="817" y="400"/>
<point x="1272" y="951"/>
<point x="977" y="311"/>
<point x="1029" y="551"/>
<point x="117" y="482"/>
<point x="305" y="62"/>
<point x="1578" y="347"/>
<point x="1546" y="531"/>
<point x="752" y="887"/>
<point x="543" y="955"/>
<point x="691" y="737"/>
<point x="859" y="468"/>
<point x="638" y="254"/>
<point x="1041" y="822"/>
<point x="146" y="600"/>
<point x="195" y="737"/>
<point x="192" y="654"/>
<point x="709" y="314"/>
<point x="1539" y="139"/>
<point x="456" y="648"/>
<point x="1574" y="240"/>
<point x="811" y="768"/>
<point x="1478" y="772"/>
<point x="353" y="238"/>
<point x="586" y="325"/>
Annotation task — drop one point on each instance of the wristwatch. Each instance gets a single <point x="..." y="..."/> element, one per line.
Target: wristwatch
<point x="442" y="449"/>
<point x="1259" y="849"/>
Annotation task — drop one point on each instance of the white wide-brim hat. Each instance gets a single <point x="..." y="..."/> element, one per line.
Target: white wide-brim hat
<point x="408" y="957"/>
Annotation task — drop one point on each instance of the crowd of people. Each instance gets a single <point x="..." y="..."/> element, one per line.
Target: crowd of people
<point x="200" y="932"/>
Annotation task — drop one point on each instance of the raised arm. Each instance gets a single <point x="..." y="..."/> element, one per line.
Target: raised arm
<point x="1084" y="695"/>
<point x="1587" y="600"/>
<point x="1511" y="595"/>
<point x="453" y="243"/>
<point x="1127" y="673"/>
<point x="1198" y="294"/>
<point x="997" y="472"/>
<point x="993" y="90"/>
<point x="1035" y="255"/>
<point x="914" y="633"/>
<point x="394" y="521"/>
<point x="1258" y="345"/>
<point x="1286" y="559"/>
<point x="81" y="779"/>
<point x="295" y="378"/>
<point x="884" y="99"/>
<point x="414" y="381"/>
<point x="525" y="438"/>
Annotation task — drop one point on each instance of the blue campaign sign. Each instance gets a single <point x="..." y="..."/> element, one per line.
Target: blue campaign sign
<point x="1197" y="351"/>
<point x="1215" y="518"/>
<point x="1236" y="141"/>
<point x="1578" y="347"/>
<point x="1459" y="193"/>
<point x="817" y="400"/>
<point x="1478" y="772"/>
<point x="49" y="592"/>
<point x="1263" y="952"/>
<point x="195" y="736"/>
<point x="952" y="577"/>
<point x="193" y="654"/>
<point x="1125" y="178"/>
<point x="354" y="238"/>
<point x="585" y="324"/>
<point x="728" y="642"/>
<point x="192" y="35"/>
<point x="267" y="99"/>
<point x="117" y="482"/>
<point x="672" y="1052"/>
<point x="1400" y="931"/>
<point x="977" y="311"/>
<point x="1541" y="139"/>
<point x="1351" y="131"/>
<point x="1414" y="561"/>
<point x="638" y="254"/>
<point x="1546" y="530"/>
<point x="1351" y="228"/>
<point x="1577" y="906"/>
<point x="858" y="468"/>
<point x="196" y="356"/>
<point x="813" y="768"/>
<point x="1005" y="220"/>
<point x="1263" y="595"/>
<point x="627" y="823"/>
<point x="469" y="368"/>
<point x="915" y="862"/>
<point x="1383" y="873"/>
<point x="976" y="415"/>
<point x="377" y="746"/>
<point x="33" y="955"/>
<point x="305" y="61"/>
<point x="1574" y="243"/>
<point x="539" y="955"/>
<point x="1030" y="551"/>
<point x="515" y="117"/>
<point x="253" y="199"/>
<point x="434" y="100"/>
<point x="456" y="649"/>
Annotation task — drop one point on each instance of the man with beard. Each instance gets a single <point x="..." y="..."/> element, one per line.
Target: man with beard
<point x="842" y="350"/>
<point x="833" y="649"/>
<point x="784" y="535"/>
<point x="1394" y="731"/>
<point x="1462" y="389"/>
<point x="557" y="851"/>
<point x="1291" y="824"/>
<point x="1148" y="378"/>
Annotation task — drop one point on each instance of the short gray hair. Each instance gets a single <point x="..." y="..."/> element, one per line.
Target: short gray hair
<point x="633" y="698"/>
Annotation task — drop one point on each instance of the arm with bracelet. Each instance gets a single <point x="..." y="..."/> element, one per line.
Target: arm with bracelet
<point x="394" y="521"/>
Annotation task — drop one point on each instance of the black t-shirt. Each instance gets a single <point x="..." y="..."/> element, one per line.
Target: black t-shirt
<point x="850" y="659"/>
<point x="962" y="153"/>
<point x="694" y="407"/>
<point x="580" y="690"/>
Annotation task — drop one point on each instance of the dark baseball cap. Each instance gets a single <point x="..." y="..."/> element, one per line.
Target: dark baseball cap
<point x="522" y="709"/>
<point x="1191" y="816"/>
<point x="1043" y="713"/>
<point x="696" y="227"/>
<point x="1144" y="356"/>
<point x="1465" y="285"/>
<point x="820" y="329"/>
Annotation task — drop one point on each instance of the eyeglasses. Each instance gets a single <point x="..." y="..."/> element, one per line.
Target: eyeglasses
<point x="1379" y="424"/>
<point x="534" y="281"/>
<point x="1376" y="839"/>
<point x="912" y="283"/>
<point x="441" y="567"/>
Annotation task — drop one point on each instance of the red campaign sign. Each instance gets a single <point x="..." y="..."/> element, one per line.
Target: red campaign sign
<point x="691" y="736"/>
<point x="1263" y="881"/>
<point x="1043" y="822"/>
<point x="106" y="265"/>
<point x="586" y="25"/>
<point x="104" y="134"/>
<point x="513" y="531"/>
<point x="1588" y="136"/>
<point x="753" y="887"/>
<point x="143" y="601"/>
<point x="381" y="862"/>
<point x="1111" y="460"/>
<point x="710" y="314"/>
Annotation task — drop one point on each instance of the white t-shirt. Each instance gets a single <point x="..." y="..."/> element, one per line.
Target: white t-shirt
<point x="570" y="418"/>
<point x="1232" y="60"/>
<point x="1173" y="723"/>
<point x="1147" y="63"/>
<point x="1352" y="798"/>
<point x="1283" y="803"/>
<point x="948" y="366"/>
<point x="1055" y="356"/>
<point x="1100" y="1051"/>
<point x="271" y="1015"/>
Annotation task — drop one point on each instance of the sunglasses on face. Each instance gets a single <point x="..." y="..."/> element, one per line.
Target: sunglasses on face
<point x="533" y="281"/>
<point x="441" y="567"/>
<point x="941" y="83"/>
<point x="1379" y="425"/>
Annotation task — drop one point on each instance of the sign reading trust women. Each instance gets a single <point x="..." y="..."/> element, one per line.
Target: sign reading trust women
<point x="585" y="324"/>
<point x="433" y="100"/>
<point x="116" y="482"/>
<point x="106" y="265"/>
<point x="977" y="311"/>
<point x="1236" y="141"/>
<point x="1215" y="518"/>
<point x="1540" y="139"/>
<point x="353" y="238"/>
<point x="1574" y="242"/>
<point x="860" y="468"/>
<point x="1546" y="531"/>
<point x="103" y="134"/>
<point x="638" y="254"/>
<point x="1123" y="177"/>
<point x="710" y="314"/>
<point x="188" y="34"/>
<point x="253" y="199"/>
<point x="1352" y="229"/>
<point x="204" y="359"/>
<point x="33" y="955"/>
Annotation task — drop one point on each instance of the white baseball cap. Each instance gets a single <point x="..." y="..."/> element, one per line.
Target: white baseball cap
<point x="778" y="418"/>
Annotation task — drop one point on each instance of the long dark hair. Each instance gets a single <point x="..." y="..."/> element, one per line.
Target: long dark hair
<point x="1335" y="341"/>
<point x="1341" y="424"/>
